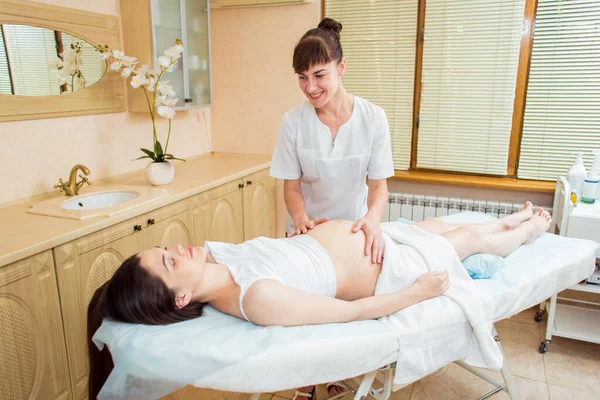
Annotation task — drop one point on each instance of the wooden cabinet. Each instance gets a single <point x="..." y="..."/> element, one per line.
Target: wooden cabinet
<point x="168" y="226"/>
<point x="152" y="26"/>
<point x="219" y="214"/>
<point x="236" y="211"/>
<point x="260" y="218"/>
<point x="33" y="359"/>
<point x="82" y="266"/>
<point x="85" y="264"/>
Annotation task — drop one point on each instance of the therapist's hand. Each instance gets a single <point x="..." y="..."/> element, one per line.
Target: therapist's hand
<point x="374" y="242"/>
<point x="306" y="225"/>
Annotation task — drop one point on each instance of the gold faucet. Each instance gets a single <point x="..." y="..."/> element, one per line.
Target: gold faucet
<point x="72" y="187"/>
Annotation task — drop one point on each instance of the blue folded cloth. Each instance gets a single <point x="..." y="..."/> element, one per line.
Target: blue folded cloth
<point x="479" y="266"/>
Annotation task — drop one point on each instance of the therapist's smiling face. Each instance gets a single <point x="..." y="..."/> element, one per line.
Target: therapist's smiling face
<point x="320" y="83"/>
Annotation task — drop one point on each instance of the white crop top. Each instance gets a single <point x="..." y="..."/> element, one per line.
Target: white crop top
<point x="299" y="262"/>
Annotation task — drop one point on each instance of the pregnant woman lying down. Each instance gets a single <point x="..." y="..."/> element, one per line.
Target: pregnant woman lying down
<point x="320" y="277"/>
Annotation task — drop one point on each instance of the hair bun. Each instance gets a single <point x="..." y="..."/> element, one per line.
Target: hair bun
<point x="331" y="25"/>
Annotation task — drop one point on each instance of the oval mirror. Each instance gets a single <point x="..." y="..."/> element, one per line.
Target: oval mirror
<point x="38" y="61"/>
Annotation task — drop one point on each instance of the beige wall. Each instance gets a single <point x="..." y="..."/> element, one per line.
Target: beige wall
<point x="36" y="153"/>
<point x="253" y="80"/>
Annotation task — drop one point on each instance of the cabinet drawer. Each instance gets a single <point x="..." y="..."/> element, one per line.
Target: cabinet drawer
<point x="156" y="216"/>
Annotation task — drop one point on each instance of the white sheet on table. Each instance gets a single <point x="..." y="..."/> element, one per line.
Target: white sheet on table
<point x="226" y="353"/>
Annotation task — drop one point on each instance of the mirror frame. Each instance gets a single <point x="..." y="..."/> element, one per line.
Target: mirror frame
<point x="105" y="96"/>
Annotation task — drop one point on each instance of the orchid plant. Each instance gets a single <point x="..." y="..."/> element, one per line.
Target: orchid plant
<point x="68" y="65"/>
<point x="160" y="96"/>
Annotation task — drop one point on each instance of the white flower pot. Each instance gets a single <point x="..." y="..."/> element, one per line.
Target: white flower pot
<point x="160" y="173"/>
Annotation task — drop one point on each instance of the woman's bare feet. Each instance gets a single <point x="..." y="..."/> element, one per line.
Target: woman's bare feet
<point x="515" y="220"/>
<point x="541" y="221"/>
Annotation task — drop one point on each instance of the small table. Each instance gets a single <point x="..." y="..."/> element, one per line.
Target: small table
<point x="574" y="322"/>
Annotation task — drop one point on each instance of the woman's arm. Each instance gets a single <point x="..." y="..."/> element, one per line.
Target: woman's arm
<point x="268" y="302"/>
<point x="376" y="201"/>
<point x="294" y="201"/>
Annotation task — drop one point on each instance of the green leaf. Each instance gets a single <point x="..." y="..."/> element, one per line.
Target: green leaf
<point x="139" y="158"/>
<point x="171" y="157"/>
<point x="148" y="153"/>
<point x="158" y="149"/>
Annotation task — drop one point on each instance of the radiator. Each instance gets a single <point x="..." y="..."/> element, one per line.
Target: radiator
<point x="416" y="207"/>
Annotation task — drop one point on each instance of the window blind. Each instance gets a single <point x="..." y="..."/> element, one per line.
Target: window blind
<point x="470" y="62"/>
<point x="378" y="40"/>
<point x="31" y="50"/>
<point x="562" y="108"/>
<point x="5" y="85"/>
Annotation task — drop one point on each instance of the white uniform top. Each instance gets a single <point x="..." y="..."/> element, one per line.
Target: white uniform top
<point x="333" y="173"/>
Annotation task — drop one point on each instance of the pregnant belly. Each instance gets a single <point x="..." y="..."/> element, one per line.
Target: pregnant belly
<point x="356" y="276"/>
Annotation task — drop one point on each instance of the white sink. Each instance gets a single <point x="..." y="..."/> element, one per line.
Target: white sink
<point x="99" y="200"/>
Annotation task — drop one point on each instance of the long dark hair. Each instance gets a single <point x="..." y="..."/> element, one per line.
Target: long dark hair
<point x="132" y="295"/>
<point x="319" y="45"/>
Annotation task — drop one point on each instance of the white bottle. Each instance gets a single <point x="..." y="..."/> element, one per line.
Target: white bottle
<point x="577" y="174"/>
<point x="590" y="187"/>
<point x="595" y="171"/>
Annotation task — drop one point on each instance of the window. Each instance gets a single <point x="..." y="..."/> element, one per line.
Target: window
<point x="468" y="106"/>
<point x="469" y="71"/>
<point x="378" y="40"/>
<point x="562" y="109"/>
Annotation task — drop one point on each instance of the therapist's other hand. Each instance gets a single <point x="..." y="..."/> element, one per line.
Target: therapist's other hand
<point x="306" y="225"/>
<point x="374" y="243"/>
<point x="432" y="284"/>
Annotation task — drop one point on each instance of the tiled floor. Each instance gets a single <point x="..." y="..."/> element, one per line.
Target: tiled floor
<point x="570" y="370"/>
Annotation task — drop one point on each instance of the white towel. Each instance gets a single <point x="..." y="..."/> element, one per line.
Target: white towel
<point x="409" y="253"/>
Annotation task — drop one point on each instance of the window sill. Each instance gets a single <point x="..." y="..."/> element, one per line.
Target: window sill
<point x="524" y="185"/>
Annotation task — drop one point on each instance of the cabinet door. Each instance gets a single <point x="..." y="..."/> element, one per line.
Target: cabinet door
<point x="197" y="58"/>
<point x="33" y="358"/>
<point x="83" y="265"/>
<point x="168" y="226"/>
<point x="218" y="214"/>
<point x="167" y="27"/>
<point x="260" y="214"/>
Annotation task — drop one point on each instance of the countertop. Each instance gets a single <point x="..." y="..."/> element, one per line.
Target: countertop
<point x="23" y="234"/>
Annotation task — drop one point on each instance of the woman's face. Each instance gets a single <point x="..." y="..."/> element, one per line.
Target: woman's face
<point x="320" y="83"/>
<point x="180" y="268"/>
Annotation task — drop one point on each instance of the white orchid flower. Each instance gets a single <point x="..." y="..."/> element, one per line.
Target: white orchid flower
<point x="115" y="66"/>
<point x="143" y="70"/>
<point x="174" y="52"/>
<point x="57" y="63"/>
<point x="139" y="80"/>
<point x="169" y="102"/>
<point x="105" y="55"/>
<point x="164" y="89"/>
<point x="79" y="61"/>
<point x="164" y="62"/>
<point x="61" y="81"/>
<point x="166" y="112"/>
<point x="117" y="54"/>
<point x="126" y="71"/>
<point x="129" y="60"/>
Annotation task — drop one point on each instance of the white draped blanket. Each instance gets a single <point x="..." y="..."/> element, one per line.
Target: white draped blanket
<point x="409" y="253"/>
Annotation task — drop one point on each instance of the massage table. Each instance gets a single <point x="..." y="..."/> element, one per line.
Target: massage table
<point x="222" y="352"/>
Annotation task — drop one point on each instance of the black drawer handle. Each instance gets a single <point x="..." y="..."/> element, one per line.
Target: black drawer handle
<point x="241" y="186"/>
<point x="151" y="221"/>
<point x="249" y="182"/>
<point x="137" y="228"/>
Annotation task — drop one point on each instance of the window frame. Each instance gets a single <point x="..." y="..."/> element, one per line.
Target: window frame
<point x="508" y="181"/>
